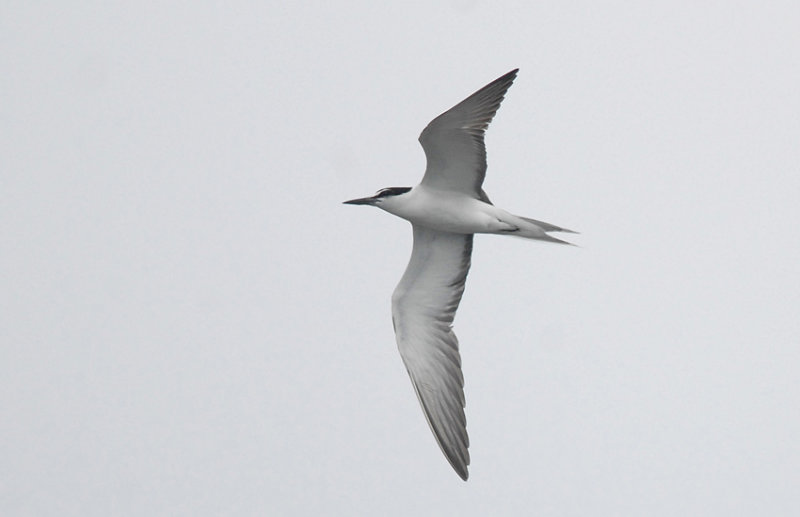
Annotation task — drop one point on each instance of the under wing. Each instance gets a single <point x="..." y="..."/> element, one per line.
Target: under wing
<point x="453" y="141"/>
<point x="423" y="307"/>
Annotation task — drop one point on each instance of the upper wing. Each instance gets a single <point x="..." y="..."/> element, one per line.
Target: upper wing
<point x="423" y="306"/>
<point x="453" y="141"/>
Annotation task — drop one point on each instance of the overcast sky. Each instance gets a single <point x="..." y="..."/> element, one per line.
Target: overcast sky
<point x="192" y="324"/>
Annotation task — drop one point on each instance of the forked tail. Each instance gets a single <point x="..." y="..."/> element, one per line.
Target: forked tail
<point x="533" y="229"/>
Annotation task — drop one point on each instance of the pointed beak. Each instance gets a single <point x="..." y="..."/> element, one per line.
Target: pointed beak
<point x="361" y="201"/>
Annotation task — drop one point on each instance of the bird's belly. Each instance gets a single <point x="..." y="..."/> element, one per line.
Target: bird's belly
<point x="453" y="222"/>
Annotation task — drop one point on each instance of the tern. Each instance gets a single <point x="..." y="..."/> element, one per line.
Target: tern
<point x="446" y="209"/>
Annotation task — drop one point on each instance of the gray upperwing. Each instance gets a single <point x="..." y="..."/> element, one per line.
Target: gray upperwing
<point x="453" y="141"/>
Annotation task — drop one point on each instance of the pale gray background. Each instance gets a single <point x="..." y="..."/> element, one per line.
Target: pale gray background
<point x="192" y="323"/>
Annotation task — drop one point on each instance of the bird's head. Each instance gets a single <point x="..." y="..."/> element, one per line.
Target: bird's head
<point x="381" y="196"/>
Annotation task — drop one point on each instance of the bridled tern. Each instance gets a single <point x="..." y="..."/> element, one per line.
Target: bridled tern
<point x="445" y="210"/>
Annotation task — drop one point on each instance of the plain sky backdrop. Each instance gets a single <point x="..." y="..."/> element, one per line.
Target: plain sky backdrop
<point x="192" y="324"/>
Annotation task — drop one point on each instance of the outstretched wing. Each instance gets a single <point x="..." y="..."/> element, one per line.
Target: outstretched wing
<point x="453" y="141"/>
<point x="423" y="307"/>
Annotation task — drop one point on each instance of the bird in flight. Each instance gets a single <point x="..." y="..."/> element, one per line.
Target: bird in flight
<point x="446" y="209"/>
